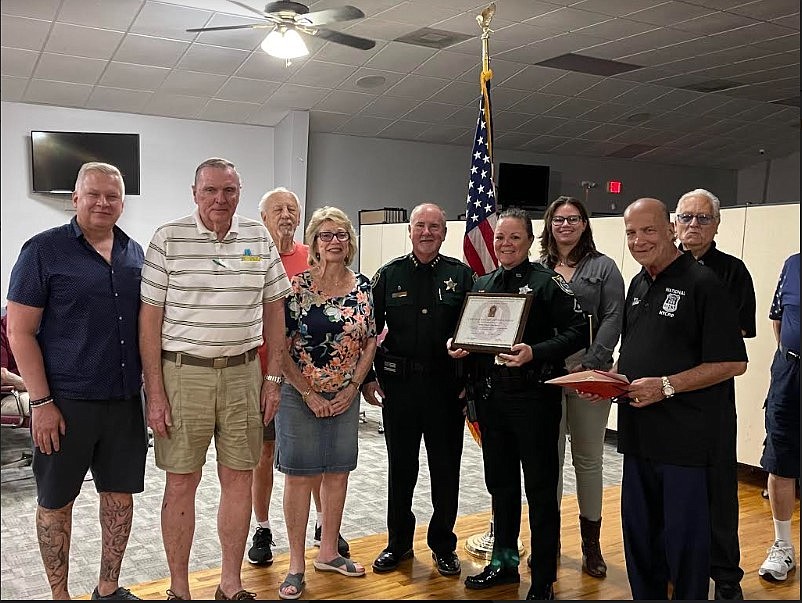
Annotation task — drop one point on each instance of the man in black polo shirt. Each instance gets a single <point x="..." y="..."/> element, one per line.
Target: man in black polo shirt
<point x="697" y="219"/>
<point x="680" y="344"/>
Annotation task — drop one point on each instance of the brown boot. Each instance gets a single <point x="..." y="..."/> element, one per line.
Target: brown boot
<point x="592" y="561"/>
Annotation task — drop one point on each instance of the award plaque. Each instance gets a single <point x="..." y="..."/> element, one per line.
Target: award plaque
<point x="491" y="322"/>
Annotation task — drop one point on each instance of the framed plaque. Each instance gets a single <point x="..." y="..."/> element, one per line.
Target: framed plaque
<point x="491" y="322"/>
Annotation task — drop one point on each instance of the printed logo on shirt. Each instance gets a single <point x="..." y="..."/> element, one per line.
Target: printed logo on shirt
<point x="671" y="303"/>
<point x="562" y="284"/>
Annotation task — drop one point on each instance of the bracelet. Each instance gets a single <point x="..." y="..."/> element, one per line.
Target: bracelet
<point x="41" y="401"/>
<point x="275" y="379"/>
<point x="306" y="393"/>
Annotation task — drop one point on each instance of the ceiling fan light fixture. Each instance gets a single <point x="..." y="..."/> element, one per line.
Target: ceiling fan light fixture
<point x="284" y="43"/>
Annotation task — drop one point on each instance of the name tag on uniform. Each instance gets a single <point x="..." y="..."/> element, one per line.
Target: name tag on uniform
<point x="399" y="294"/>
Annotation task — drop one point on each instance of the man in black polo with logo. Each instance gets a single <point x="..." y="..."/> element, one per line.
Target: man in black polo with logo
<point x="697" y="219"/>
<point x="679" y="346"/>
<point x="419" y="297"/>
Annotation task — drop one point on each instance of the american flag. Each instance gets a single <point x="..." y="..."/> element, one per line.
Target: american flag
<point x="481" y="203"/>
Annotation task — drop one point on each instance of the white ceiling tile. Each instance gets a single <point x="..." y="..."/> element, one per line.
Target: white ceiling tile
<point x="712" y="23"/>
<point x="538" y="103"/>
<point x="505" y="98"/>
<point x="533" y="77"/>
<point x="118" y="14"/>
<point x="781" y="44"/>
<point x="145" y="50"/>
<point x="12" y="88"/>
<point x="465" y="117"/>
<point x="403" y="58"/>
<point x="128" y="76"/>
<point x="192" y="83"/>
<point x="40" y="9"/>
<point x="571" y="84"/>
<point x="57" y="93"/>
<point x="390" y="79"/>
<point x="267" y="116"/>
<point x="346" y="55"/>
<point x="608" y="111"/>
<point x="21" y="32"/>
<point x="404" y="130"/>
<point x="615" y="28"/>
<point x="243" y="39"/>
<point x="19" y="63"/>
<point x="83" y="41"/>
<point x="567" y="19"/>
<point x="322" y="121"/>
<point x="293" y="96"/>
<point x="169" y="21"/>
<point x="767" y="9"/>
<point x="615" y="8"/>
<point x="391" y="107"/>
<point x="262" y="66"/>
<point x="508" y="121"/>
<point x="405" y="12"/>
<point x="441" y="134"/>
<point x="417" y="87"/>
<point x="364" y="126"/>
<point x="176" y="105"/>
<point x="607" y="89"/>
<point x="458" y="93"/>
<point x="118" y="99"/>
<point x="343" y="101"/>
<point x="447" y="64"/>
<point x="431" y="112"/>
<point x="573" y="107"/>
<point x="669" y="13"/>
<point x="466" y="23"/>
<point x="318" y="73"/>
<point x="228" y="111"/>
<point x="212" y="59"/>
<point x="60" y="67"/>
<point x="247" y="90"/>
<point x="379" y="29"/>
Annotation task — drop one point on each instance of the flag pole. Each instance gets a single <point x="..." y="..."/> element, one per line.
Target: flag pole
<point x="481" y="545"/>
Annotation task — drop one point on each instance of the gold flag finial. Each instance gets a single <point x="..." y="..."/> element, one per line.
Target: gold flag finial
<point x="486" y="17"/>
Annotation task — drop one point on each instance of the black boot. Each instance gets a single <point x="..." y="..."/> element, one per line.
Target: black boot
<point x="592" y="561"/>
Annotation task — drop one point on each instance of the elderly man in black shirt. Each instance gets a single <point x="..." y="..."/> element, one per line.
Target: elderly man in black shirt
<point x="680" y="345"/>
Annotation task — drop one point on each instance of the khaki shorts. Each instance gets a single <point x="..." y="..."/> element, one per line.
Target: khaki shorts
<point x="208" y="402"/>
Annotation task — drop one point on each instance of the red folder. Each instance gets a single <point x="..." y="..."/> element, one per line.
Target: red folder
<point x="601" y="383"/>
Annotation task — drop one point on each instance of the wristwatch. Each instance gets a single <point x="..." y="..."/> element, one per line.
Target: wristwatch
<point x="279" y="379"/>
<point x="668" y="389"/>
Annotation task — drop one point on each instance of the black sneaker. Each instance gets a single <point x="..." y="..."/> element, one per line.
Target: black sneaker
<point x="121" y="593"/>
<point x="260" y="553"/>
<point x="343" y="548"/>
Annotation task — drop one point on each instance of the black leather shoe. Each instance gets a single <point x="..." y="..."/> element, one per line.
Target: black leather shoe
<point x="447" y="564"/>
<point x="728" y="590"/>
<point x="387" y="561"/>
<point x="493" y="576"/>
<point x="542" y="593"/>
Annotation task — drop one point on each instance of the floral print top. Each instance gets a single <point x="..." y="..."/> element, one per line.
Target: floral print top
<point x="327" y="333"/>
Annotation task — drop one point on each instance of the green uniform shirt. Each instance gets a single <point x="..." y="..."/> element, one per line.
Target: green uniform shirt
<point x="420" y="304"/>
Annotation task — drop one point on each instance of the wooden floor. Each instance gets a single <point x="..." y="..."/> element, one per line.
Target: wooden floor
<point x="418" y="579"/>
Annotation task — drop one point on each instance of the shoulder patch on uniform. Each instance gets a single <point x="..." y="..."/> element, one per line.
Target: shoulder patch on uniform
<point x="562" y="284"/>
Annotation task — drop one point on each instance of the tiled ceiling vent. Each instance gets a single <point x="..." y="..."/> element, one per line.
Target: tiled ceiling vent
<point x="585" y="64"/>
<point x="433" y="38"/>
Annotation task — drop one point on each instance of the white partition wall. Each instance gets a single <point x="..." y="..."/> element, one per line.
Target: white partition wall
<point x="762" y="236"/>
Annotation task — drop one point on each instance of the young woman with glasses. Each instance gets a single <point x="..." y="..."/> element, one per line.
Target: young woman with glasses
<point x="567" y="247"/>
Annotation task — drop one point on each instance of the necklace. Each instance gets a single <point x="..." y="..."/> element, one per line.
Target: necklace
<point x="332" y="285"/>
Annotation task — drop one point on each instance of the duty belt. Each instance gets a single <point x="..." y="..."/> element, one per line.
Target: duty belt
<point x="218" y="363"/>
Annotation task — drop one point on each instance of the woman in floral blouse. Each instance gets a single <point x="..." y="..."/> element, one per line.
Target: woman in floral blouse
<point x="332" y="340"/>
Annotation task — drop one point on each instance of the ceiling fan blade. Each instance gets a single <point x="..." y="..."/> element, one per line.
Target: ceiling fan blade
<point x="346" y="39"/>
<point x="226" y="27"/>
<point x="246" y="7"/>
<point x="330" y="15"/>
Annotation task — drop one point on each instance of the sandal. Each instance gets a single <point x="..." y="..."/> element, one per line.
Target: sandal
<point x="295" y="581"/>
<point x="340" y="564"/>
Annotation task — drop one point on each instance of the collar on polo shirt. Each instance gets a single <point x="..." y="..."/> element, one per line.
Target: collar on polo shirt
<point x="234" y="229"/>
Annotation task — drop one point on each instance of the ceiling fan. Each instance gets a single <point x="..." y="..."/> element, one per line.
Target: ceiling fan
<point x="287" y="20"/>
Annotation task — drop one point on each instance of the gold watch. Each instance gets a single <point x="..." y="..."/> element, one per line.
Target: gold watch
<point x="668" y="389"/>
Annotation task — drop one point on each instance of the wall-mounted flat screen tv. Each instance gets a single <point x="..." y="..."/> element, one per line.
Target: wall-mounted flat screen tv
<point x="56" y="158"/>
<point x="523" y="185"/>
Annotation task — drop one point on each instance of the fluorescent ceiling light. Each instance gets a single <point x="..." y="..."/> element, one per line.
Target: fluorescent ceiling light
<point x="284" y="43"/>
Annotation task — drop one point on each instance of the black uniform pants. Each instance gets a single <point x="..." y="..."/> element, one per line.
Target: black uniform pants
<point x="722" y="491"/>
<point x="418" y="407"/>
<point x="521" y="429"/>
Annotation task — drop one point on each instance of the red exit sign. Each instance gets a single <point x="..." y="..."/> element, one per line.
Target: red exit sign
<point x="614" y="186"/>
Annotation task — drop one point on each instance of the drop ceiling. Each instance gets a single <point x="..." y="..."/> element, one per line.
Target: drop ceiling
<point x="710" y="82"/>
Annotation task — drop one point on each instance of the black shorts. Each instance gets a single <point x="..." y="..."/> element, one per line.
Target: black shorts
<point x="781" y="446"/>
<point x="107" y="436"/>
<point x="270" y="431"/>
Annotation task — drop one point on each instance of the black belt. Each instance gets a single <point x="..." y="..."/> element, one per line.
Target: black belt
<point x="789" y="354"/>
<point x="220" y="362"/>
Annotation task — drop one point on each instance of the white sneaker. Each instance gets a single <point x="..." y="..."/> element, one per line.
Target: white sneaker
<point x="780" y="561"/>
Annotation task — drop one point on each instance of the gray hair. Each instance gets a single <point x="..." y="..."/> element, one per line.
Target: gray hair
<point x="219" y="163"/>
<point x="419" y="207"/>
<point x="103" y="168"/>
<point x="275" y="191"/>
<point x="700" y="192"/>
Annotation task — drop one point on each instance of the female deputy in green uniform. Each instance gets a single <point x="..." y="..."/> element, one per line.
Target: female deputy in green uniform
<point x="518" y="415"/>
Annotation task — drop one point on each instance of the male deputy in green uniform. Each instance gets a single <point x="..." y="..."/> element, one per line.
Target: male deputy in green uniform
<point x="419" y="297"/>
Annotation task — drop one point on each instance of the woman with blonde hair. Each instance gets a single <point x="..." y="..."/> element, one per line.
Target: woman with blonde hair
<point x="331" y="334"/>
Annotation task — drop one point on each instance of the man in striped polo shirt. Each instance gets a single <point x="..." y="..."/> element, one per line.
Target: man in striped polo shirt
<point x="213" y="289"/>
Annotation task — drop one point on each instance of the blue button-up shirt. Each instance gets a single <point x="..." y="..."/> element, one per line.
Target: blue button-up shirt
<point x="88" y="332"/>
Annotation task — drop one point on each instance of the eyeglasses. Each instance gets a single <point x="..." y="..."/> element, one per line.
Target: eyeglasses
<point x="327" y="236"/>
<point x="560" y="220"/>
<point x="702" y="219"/>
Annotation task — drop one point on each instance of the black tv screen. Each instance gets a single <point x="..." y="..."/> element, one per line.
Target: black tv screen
<point x="523" y="185"/>
<point x="56" y="158"/>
